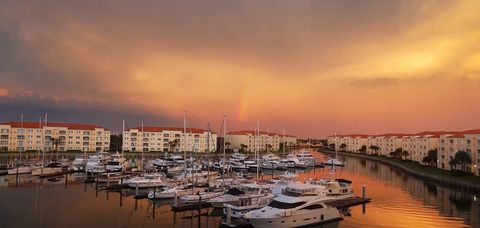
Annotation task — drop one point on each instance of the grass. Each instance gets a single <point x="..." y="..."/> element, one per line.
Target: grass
<point x="433" y="170"/>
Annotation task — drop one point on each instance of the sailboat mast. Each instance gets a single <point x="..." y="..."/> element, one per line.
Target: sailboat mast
<point x="283" y="141"/>
<point x="224" y="136"/>
<point x="143" y="168"/>
<point x="257" y="133"/>
<point x="185" y="140"/>
<point x="123" y="132"/>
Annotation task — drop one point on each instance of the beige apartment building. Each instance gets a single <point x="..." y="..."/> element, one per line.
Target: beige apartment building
<point x="247" y="140"/>
<point x="36" y="136"/>
<point x="467" y="141"/>
<point x="168" y="139"/>
<point x="447" y="143"/>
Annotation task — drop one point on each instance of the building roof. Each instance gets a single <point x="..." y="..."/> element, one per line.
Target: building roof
<point x="160" y="129"/>
<point x="474" y="131"/>
<point x="430" y="134"/>
<point x="74" y="126"/>
<point x="250" y="132"/>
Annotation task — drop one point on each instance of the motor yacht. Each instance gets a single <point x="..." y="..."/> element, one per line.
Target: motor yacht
<point x="243" y="199"/>
<point x="169" y="192"/>
<point x="337" y="188"/>
<point x="117" y="164"/>
<point x="298" y="205"/>
<point x="20" y="170"/>
<point x="79" y="162"/>
<point x="146" y="181"/>
<point x="333" y="162"/>
<point x="201" y="196"/>
<point x="271" y="164"/>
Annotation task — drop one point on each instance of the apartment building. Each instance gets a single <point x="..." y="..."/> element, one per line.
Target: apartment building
<point x="36" y="136"/>
<point x="448" y="143"/>
<point x="168" y="139"/>
<point x="246" y="139"/>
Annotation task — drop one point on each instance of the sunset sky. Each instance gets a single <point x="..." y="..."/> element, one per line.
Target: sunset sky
<point x="312" y="67"/>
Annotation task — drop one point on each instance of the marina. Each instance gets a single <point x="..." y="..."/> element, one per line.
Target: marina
<point x="118" y="199"/>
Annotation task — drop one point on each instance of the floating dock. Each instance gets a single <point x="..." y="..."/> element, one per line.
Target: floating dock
<point x="190" y="206"/>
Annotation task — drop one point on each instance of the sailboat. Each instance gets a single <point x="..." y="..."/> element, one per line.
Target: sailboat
<point x="20" y="168"/>
<point x="334" y="161"/>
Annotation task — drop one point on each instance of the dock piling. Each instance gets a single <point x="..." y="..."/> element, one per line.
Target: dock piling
<point x="229" y="215"/>
<point x="363" y="191"/>
<point x="136" y="189"/>
<point x="66" y="180"/>
<point x="175" y="200"/>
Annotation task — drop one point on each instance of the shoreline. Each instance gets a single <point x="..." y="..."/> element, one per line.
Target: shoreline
<point x="440" y="180"/>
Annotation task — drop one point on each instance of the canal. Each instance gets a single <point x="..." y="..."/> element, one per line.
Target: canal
<point x="398" y="201"/>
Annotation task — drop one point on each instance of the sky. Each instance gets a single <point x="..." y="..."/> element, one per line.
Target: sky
<point x="313" y="68"/>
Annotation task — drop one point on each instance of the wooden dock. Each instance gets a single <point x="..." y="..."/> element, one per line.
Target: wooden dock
<point x="348" y="202"/>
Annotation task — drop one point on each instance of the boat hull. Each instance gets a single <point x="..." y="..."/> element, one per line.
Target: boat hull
<point x="299" y="220"/>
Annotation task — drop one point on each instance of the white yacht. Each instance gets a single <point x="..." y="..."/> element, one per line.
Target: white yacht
<point x="238" y="156"/>
<point x="146" y="181"/>
<point x="333" y="162"/>
<point x="96" y="163"/>
<point x="159" y="162"/>
<point x="298" y="205"/>
<point x="169" y="192"/>
<point x="198" y="176"/>
<point x="117" y="164"/>
<point x="246" y="198"/>
<point x="79" y="162"/>
<point x="292" y="158"/>
<point x="48" y="169"/>
<point x="200" y="196"/>
<point x="20" y="170"/>
<point x="337" y="188"/>
<point x="271" y="164"/>
<point x="279" y="184"/>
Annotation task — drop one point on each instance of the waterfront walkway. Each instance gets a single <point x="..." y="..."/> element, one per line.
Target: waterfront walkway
<point x="471" y="184"/>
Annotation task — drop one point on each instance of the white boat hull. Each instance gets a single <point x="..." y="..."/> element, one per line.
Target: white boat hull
<point x="312" y="217"/>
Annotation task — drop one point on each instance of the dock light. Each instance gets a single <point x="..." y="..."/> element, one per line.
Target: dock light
<point x="474" y="198"/>
<point x="475" y="166"/>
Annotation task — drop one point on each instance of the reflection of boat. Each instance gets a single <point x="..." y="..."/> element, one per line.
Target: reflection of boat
<point x="298" y="205"/>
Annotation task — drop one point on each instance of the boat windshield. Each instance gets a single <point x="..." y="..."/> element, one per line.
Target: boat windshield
<point x="113" y="163"/>
<point x="282" y="205"/>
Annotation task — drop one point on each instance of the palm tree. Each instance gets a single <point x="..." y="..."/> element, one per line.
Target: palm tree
<point x="363" y="149"/>
<point x="375" y="148"/>
<point x="463" y="158"/>
<point x="405" y="154"/>
<point x="431" y="158"/>
<point x="343" y="146"/>
<point x="243" y="147"/>
<point x="398" y="153"/>
<point x="173" y="144"/>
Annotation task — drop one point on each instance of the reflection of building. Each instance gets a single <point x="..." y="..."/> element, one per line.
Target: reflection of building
<point x="34" y="136"/>
<point x="168" y="139"/>
<point x="246" y="139"/>
<point x="417" y="145"/>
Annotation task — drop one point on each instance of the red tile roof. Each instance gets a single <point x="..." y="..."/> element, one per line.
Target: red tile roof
<point x="66" y="125"/>
<point x="432" y="134"/>
<point x="160" y="129"/>
<point x="250" y="132"/>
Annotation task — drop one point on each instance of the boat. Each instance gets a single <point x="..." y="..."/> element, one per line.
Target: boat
<point x="245" y="198"/>
<point x="279" y="184"/>
<point x="198" y="176"/>
<point x="79" y="162"/>
<point x="337" y="188"/>
<point x="307" y="158"/>
<point x="20" y="170"/>
<point x="200" y="196"/>
<point x="169" y="192"/>
<point x="292" y="158"/>
<point x="51" y="168"/>
<point x="159" y="162"/>
<point x="117" y="164"/>
<point x="96" y="163"/>
<point x="271" y="164"/>
<point x="146" y="181"/>
<point x="298" y="205"/>
<point x="333" y="162"/>
<point x="238" y="156"/>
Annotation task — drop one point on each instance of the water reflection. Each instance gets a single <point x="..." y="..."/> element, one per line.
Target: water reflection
<point x="398" y="201"/>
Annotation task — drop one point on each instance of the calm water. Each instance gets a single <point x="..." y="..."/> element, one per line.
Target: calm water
<point x="398" y="201"/>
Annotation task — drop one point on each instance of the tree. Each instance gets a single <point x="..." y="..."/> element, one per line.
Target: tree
<point x="116" y="142"/>
<point x="405" y="154"/>
<point x="463" y="158"/>
<point x="268" y="147"/>
<point x="243" y="147"/>
<point x="343" y="146"/>
<point x="397" y="153"/>
<point x="332" y="146"/>
<point x="431" y="158"/>
<point x="375" y="148"/>
<point x="363" y="149"/>
<point x="173" y="144"/>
